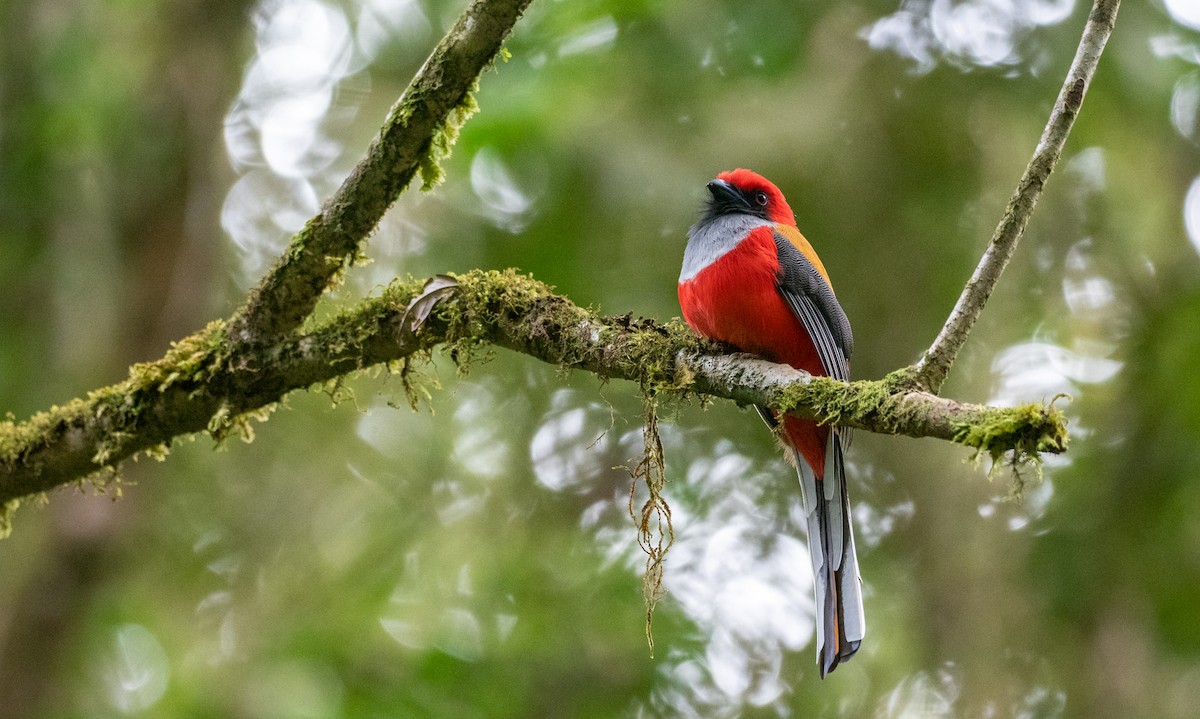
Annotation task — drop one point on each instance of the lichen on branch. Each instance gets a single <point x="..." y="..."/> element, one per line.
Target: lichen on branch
<point x="204" y="375"/>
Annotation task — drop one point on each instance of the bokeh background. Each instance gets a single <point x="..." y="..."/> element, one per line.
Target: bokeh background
<point x="474" y="558"/>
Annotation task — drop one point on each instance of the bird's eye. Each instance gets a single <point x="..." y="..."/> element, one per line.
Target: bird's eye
<point x="761" y="198"/>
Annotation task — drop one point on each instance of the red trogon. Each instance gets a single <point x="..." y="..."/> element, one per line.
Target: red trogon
<point x="751" y="280"/>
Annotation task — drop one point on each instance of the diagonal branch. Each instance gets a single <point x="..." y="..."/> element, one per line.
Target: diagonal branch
<point x="419" y="126"/>
<point x="203" y="385"/>
<point x="934" y="366"/>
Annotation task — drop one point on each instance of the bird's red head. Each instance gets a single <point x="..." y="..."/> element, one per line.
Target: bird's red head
<point x="759" y="195"/>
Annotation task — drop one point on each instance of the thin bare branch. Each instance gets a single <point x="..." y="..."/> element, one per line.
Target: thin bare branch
<point x="934" y="366"/>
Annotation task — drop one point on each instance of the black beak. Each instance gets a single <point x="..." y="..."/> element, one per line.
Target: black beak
<point x="726" y="199"/>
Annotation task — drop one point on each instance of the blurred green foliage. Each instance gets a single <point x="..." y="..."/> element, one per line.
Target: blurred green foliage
<point x="472" y="559"/>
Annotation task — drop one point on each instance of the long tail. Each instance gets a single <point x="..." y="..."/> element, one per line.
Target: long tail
<point x="842" y="622"/>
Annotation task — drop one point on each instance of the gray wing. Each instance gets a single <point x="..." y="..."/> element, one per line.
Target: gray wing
<point x="811" y="299"/>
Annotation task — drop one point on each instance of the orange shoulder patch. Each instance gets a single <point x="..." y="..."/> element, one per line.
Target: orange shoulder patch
<point x="793" y="235"/>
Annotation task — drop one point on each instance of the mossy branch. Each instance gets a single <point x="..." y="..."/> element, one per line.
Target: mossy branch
<point x="417" y="134"/>
<point x="208" y="384"/>
<point x="219" y="378"/>
<point x="933" y="368"/>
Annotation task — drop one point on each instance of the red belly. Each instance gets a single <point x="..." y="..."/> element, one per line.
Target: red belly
<point x="735" y="300"/>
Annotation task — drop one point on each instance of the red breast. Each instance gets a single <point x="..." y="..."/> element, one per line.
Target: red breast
<point x="734" y="299"/>
<point x="728" y="288"/>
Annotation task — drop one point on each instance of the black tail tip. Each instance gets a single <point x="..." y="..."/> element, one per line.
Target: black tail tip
<point x="828" y="663"/>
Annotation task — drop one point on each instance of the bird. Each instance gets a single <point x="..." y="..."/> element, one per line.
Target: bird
<point x="752" y="281"/>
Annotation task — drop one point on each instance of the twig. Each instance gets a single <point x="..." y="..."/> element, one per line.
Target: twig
<point x="934" y="366"/>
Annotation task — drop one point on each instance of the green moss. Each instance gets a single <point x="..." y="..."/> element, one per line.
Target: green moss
<point x="105" y="481"/>
<point x="1015" y="438"/>
<point x="832" y="400"/>
<point x="158" y="452"/>
<point x="653" y="351"/>
<point x="902" y="380"/>
<point x="191" y="360"/>
<point x="1012" y="437"/>
<point x="41" y="428"/>
<point x="430" y="164"/>
<point x="7" y="510"/>
<point x="225" y="423"/>
<point x="1025" y="430"/>
<point x="504" y="302"/>
<point x="115" y="412"/>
